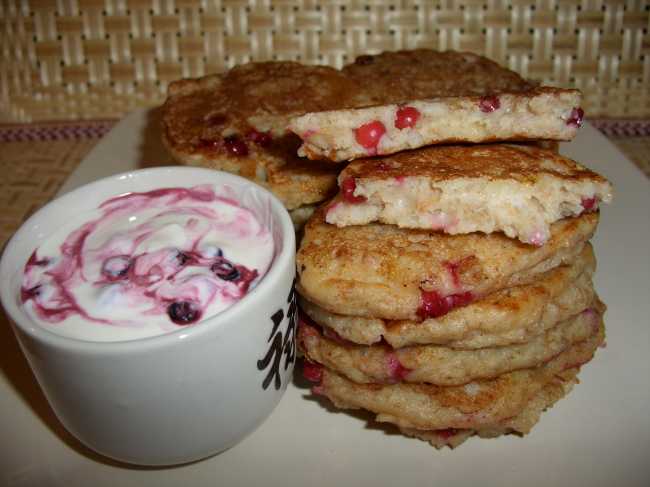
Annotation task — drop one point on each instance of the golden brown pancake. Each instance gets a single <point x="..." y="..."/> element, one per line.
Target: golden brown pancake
<point x="522" y="423"/>
<point x="439" y="365"/>
<point x="518" y="190"/>
<point x="260" y="96"/>
<point x="510" y="316"/>
<point x="398" y="76"/>
<point x="237" y="122"/>
<point x="382" y="271"/>
<point x="478" y="405"/>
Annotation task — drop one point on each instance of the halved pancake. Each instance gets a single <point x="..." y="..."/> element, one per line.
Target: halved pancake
<point x="510" y="316"/>
<point x="236" y="122"/>
<point x="518" y="190"/>
<point x="339" y="135"/>
<point x="382" y="271"/>
<point x="489" y="102"/>
<point x="477" y="405"/>
<point x="554" y="390"/>
<point x="439" y="365"/>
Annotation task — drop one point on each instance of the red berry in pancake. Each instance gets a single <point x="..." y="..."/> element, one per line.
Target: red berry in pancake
<point x="446" y="433"/>
<point x="396" y="370"/>
<point x="489" y="104"/>
<point x="432" y="304"/>
<point x="575" y="119"/>
<point x="312" y="372"/>
<point x="369" y="134"/>
<point x="406" y="117"/>
<point x="589" y="204"/>
<point x="347" y="190"/>
<point x="236" y="146"/>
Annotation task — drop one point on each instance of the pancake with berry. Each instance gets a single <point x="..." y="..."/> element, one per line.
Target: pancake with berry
<point x="440" y="365"/>
<point x="511" y="316"/>
<point x="554" y="390"/>
<point x="382" y="271"/>
<point x="517" y="190"/>
<point x="424" y="97"/>
<point x="237" y="122"/>
<point x="340" y="135"/>
<point x="397" y="76"/>
<point x="477" y="405"/>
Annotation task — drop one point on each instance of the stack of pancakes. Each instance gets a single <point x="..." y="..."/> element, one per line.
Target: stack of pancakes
<point x="448" y="289"/>
<point x="243" y="121"/>
<point x="445" y="288"/>
<point x="448" y="335"/>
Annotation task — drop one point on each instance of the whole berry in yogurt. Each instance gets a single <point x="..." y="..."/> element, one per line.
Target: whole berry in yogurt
<point x="143" y="264"/>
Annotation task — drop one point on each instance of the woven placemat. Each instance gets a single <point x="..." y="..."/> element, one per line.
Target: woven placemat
<point x="637" y="149"/>
<point x="36" y="159"/>
<point x="632" y="137"/>
<point x="71" y="59"/>
<point x="32" y="172"/>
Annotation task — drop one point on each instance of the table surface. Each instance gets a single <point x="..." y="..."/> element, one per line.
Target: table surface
<point x="598" y="435"/>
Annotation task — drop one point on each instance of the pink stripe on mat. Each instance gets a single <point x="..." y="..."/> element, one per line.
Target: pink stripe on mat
<point x="92" y="129"/>
<point x="622" y="127"/>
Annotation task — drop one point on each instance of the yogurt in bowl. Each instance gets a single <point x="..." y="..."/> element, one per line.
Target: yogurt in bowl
<point x="156" y="309"/>
<point x="146" y="263"/>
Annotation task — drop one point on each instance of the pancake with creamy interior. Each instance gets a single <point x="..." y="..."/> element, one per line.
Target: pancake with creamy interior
<point x="422" y="96"/>
<point x="517" y="190"/>
<point x="340" y="135"/>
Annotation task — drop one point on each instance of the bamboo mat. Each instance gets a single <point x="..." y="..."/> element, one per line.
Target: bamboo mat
<point x="36" y="159"/>
<point x="71" y="59"/>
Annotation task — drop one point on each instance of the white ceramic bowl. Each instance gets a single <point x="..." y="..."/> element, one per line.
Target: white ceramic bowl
<point x="171" y="398"/>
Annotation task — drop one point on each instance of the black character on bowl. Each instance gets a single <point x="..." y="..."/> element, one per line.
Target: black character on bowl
<point x="279" y="344"/>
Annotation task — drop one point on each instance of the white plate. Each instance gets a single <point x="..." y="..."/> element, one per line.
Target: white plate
<point x="599" y="435"/>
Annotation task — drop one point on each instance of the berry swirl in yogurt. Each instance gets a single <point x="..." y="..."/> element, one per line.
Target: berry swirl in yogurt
<point x="143" y="264"/>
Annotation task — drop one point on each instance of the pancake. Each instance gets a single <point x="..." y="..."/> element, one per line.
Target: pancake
<point x="551" y="145"/>
<point x="517" y="190"/>
<point x="434" y="364"/>
<point x="510" y="316"/>
<point x="300" y="215"/>
<point x="260" y="96"/>
<point x="395" y="77"/>
<point x="295" y="183"/>
<point x="392" y="79"/>
<point x="478" y="405"/>
<point x="236" y="122"/>
<point x="554" y="390"/>
<point x="382" y="271"/>
<point x="340" y="135"/>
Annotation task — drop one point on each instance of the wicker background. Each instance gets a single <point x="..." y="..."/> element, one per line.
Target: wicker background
<point x="68" y="59"/>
